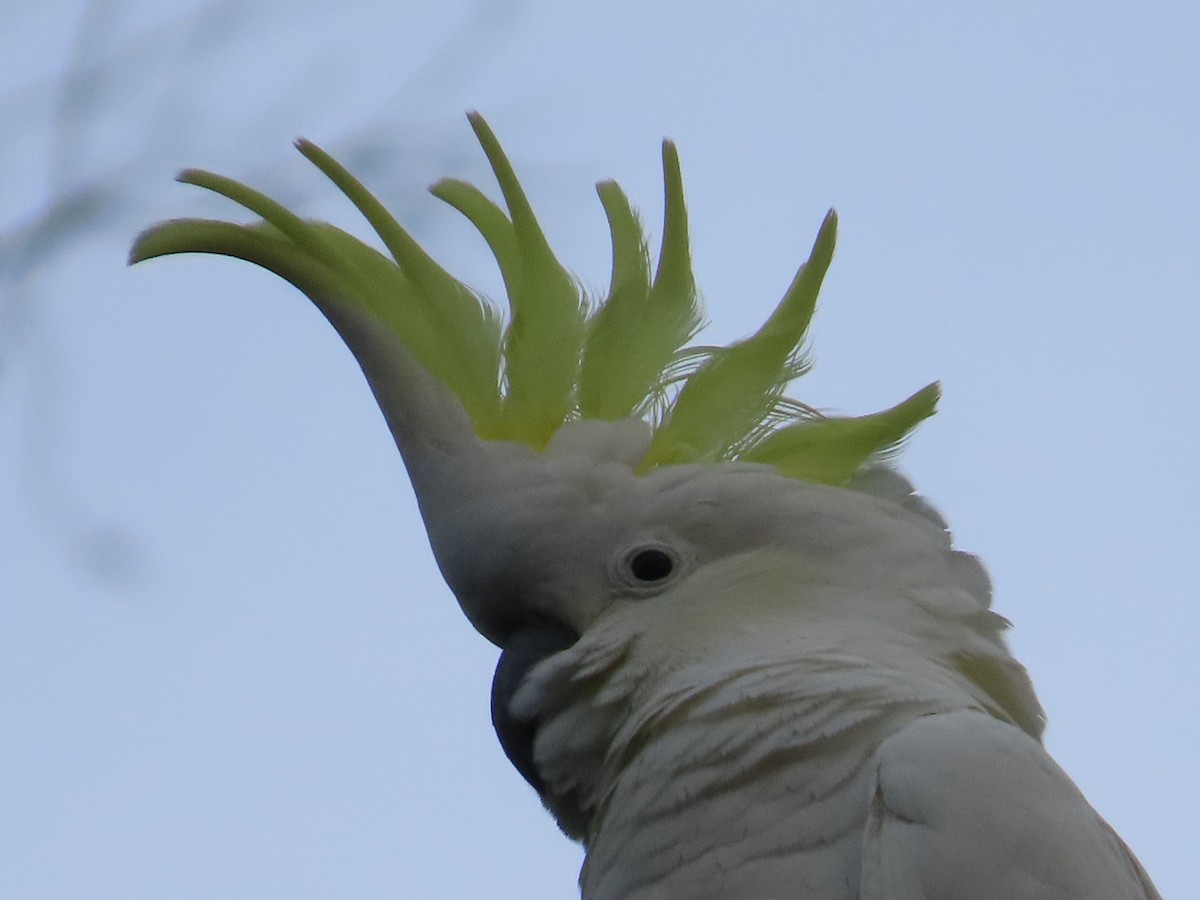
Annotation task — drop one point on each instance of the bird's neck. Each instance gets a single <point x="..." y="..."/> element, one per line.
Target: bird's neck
<point x="669" y="778"/>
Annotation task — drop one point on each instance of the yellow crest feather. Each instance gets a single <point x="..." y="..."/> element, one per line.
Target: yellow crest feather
<point x="557" y="360"/>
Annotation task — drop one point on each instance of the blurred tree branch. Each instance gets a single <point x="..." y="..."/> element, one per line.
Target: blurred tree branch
<point x="137" y="84"/>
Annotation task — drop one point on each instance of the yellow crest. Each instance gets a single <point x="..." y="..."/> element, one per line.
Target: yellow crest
<point x="556" y="358"/>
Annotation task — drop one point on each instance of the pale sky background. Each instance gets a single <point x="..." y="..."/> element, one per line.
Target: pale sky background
<point x="228" y="666"/>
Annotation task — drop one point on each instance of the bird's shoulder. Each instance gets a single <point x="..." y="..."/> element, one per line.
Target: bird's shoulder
<point x="965" y="805"/>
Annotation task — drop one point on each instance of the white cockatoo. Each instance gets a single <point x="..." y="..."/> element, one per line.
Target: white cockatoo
<point x="740" y="658"/>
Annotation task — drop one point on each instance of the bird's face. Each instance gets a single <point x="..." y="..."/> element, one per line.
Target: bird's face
<point x="684" y="559"/>
<point x="574" y="557"/>
<point x="569" y="537"/>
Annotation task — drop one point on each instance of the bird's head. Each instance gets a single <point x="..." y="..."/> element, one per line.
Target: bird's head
<point x="576" y="456"/>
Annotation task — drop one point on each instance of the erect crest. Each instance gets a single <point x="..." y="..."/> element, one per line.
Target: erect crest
<point x="556" y="358"/>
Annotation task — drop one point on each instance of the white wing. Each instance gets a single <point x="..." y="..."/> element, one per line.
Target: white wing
<point x="966" y="806"/>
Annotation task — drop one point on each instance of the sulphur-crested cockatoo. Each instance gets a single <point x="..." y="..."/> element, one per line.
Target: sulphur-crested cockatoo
<point x="739" y="657"/>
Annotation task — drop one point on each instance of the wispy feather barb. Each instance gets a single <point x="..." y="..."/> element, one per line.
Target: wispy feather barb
<point x="556" y="359"/>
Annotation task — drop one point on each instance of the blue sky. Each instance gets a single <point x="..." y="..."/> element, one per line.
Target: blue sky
<point x="228" y="666"/>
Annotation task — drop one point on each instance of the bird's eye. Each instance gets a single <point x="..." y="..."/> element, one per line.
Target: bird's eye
<point x="651" y="564"/>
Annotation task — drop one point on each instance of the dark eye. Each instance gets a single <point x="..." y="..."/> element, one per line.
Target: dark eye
<point x="651" y="564"/>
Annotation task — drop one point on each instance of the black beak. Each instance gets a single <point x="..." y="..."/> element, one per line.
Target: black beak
<point x="527" y="646"/>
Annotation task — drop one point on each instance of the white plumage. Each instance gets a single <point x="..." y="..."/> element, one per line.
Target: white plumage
<point x="820" y="712"/>
<point x="741" y="660"/>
